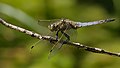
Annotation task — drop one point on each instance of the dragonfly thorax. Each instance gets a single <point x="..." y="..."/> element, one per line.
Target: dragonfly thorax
<point x="63" y="24"/>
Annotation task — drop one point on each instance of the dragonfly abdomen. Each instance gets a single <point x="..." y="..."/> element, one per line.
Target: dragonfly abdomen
<point x="79" y="24"/>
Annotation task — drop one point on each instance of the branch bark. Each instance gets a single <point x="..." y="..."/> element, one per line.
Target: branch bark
<point x="50" y="38"/>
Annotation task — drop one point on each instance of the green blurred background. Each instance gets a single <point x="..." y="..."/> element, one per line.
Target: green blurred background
<point x="15" y="46"/>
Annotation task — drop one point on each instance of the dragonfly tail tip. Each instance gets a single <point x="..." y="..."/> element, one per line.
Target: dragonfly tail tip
<point x="112" y="19"/>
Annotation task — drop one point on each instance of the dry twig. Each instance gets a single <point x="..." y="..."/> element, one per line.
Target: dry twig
<point x="49" y="38"/>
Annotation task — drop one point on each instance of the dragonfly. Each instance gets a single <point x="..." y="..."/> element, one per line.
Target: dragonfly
<point x="66" y="24"/>
<point x="62" y="25"/>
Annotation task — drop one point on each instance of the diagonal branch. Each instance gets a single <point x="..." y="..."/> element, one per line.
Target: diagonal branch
<point x="53" y="40"/>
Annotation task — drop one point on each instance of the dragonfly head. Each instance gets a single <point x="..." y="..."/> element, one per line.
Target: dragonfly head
<point x="55" y="26"/>
<point x="51" y="27"/>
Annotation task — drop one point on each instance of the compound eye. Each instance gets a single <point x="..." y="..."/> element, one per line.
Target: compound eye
<point x="62" y="20"/>
<point x="51" y="25"/>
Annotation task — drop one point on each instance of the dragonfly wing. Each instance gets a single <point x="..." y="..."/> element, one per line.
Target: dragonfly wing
<point x="79" y="24"/>
<point x="45" y="23"/>
<point x="73" y="34"/>
<point x="56" y="47"/>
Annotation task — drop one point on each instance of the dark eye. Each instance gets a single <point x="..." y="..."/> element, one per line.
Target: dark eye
<point x="53" y="25"/>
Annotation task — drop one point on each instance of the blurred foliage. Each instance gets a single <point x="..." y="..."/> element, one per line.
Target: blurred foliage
<point x="15" y="46"/>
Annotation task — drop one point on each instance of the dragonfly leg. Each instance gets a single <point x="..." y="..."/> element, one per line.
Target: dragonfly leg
<point x="66" y="35"/>
<point x="57" y="35"/>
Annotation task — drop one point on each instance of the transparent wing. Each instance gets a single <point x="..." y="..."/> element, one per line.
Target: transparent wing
<point x="57" y="46"/>
<point x="73" y="34"/>
<point x="45" y="23"/>
<point x="55" y="49"/>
